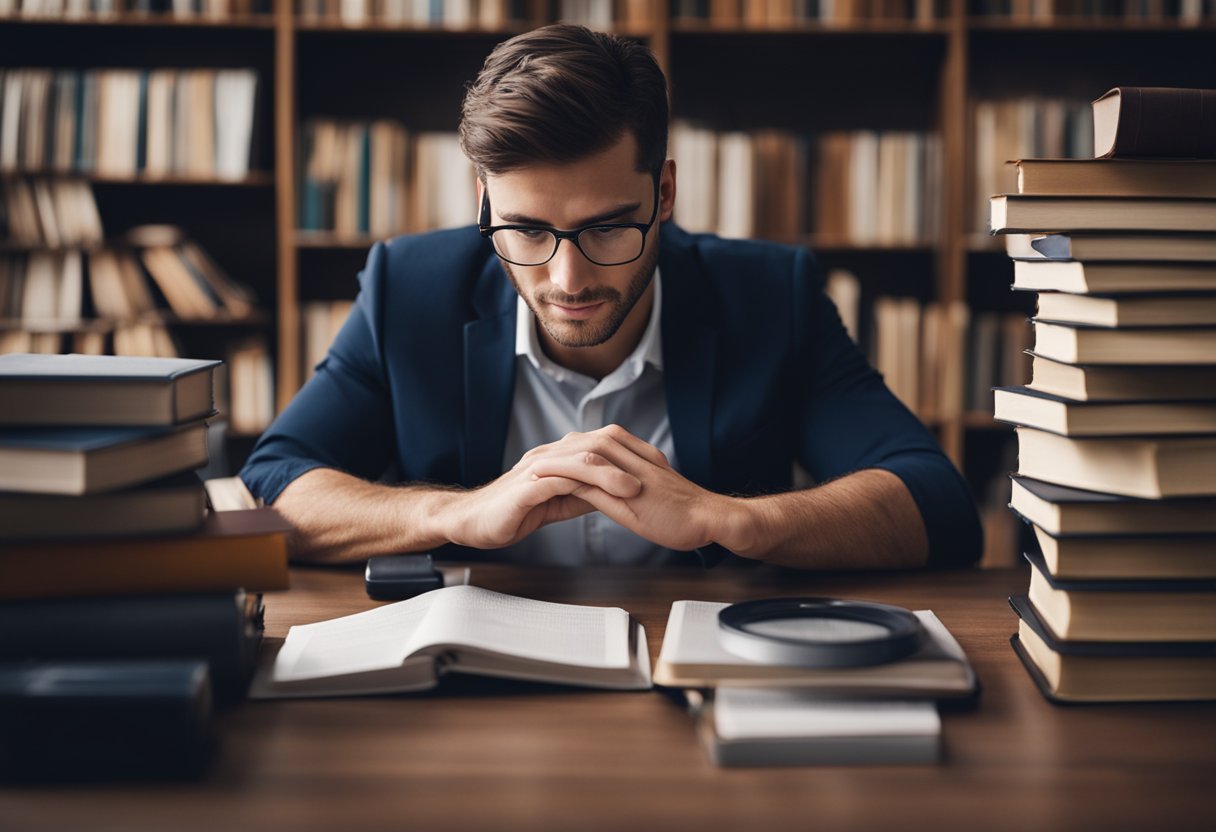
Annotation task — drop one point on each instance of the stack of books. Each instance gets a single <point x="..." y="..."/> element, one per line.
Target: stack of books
<point x="107" y="551"/>
<point x="752" y="713"/>
<point x="1117" y="428"/>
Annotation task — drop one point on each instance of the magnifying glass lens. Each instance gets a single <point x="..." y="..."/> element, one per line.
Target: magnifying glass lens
<point x="836" y="630"/>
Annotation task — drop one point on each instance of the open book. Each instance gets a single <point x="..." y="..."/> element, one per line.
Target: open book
<point x="691" y="657"/>
<point x="408" y="645"/>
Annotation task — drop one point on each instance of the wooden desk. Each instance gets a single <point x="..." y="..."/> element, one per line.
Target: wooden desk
<point x="497" y="756"/>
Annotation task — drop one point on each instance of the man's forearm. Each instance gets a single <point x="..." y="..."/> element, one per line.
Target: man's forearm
<point x="866" y="520"/>
<point x="341" y="518"/>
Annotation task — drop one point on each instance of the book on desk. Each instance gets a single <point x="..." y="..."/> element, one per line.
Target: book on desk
<point x="410" y="645"/>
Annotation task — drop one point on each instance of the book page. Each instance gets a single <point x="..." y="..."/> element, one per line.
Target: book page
<point x="743" y="713"/>
<point x="377" y="639"/>
<point x="559" y="633"/>
<point x="384" y="637"/>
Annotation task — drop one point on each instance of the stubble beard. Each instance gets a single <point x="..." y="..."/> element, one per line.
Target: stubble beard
<point x="590" y="333"/>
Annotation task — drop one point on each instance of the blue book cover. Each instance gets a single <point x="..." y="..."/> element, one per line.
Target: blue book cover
<point x="365" y="178"/>
<point x="141" y="130"/>
<point x="77" y="439"/>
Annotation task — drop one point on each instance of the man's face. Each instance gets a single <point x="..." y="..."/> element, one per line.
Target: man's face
<point x="579" y="303"/>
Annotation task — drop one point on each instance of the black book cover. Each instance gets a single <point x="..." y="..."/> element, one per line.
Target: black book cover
<point x="223" y="629"/>
<point x="105" y="720"/>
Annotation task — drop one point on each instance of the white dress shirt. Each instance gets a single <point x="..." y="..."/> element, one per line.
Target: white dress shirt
<point x="551" y="401"/>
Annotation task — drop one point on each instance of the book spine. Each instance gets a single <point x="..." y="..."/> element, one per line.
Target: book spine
<point x="1155" y="122"/>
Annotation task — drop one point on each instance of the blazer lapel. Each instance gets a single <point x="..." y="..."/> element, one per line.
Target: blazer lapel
<point x="690" y="344"/>
<point x="489" y="375"/>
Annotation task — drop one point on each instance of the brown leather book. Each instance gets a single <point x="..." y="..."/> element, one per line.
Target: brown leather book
<point x="233" y="549"/>
<point x="1155" y="122"/>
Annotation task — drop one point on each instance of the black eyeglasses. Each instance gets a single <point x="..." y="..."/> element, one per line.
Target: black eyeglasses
<point x="604" y="244"/>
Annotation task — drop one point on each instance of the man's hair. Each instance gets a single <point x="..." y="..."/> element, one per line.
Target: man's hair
<point x="562" y="93"/>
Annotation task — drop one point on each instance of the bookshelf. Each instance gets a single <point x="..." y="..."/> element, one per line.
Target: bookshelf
<point x="928" y="70"/>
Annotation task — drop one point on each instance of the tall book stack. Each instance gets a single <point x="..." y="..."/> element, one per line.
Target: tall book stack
<point x="1117" y="428"/>
<point x="107" y="551"/>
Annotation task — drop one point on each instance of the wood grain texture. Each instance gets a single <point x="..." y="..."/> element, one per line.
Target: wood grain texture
<point x="481" y="754"/>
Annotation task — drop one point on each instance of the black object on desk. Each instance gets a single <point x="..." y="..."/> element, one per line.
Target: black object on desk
<point x="105" y="720"/>
<point x="395" y="577"/>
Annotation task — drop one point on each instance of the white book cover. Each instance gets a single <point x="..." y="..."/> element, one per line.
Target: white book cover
<point x="776" y="713"/>
<point x="235" y="93"/>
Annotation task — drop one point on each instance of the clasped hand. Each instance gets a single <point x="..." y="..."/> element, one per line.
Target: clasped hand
<point x="608" y="470"/>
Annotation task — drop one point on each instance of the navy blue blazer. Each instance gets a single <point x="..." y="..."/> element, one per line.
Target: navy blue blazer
<point x="758" y="372"/>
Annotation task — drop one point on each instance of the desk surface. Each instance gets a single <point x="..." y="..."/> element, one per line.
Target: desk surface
<point x="499" y="756"/>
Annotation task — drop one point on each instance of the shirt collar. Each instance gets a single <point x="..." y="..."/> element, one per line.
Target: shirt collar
<point x="648" y="351"/>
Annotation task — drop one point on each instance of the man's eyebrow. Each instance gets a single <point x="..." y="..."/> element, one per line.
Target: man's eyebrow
<point x="606" y="216"/>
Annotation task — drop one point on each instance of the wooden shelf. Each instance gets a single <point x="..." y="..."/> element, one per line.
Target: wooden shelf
<point x="816" y="28"/>
<point x="405" y="27"/>
<point x="256" y="179"/>
<point x="329" y="240"/>
<point x="838" y="245"/>
<point x="258" y="319"/>
<point x="147" y="21"/>
<point x="1085" y="24"/>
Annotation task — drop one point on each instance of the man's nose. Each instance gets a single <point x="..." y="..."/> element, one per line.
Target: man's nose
<point x="569" y="270"/>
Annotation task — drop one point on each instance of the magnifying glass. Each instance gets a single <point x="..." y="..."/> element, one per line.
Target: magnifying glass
<point x="818" y="632"/>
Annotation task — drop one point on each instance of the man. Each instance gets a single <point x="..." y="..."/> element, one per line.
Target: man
<point x="576" y="380"/>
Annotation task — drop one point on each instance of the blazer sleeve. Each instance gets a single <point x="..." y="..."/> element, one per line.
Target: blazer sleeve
<point x="849" y="420"/>
<point x="342" y="418"/>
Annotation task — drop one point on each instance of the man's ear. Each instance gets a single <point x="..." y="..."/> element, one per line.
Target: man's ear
<point x="481" y="189"/>
<point x="667" y="190"/>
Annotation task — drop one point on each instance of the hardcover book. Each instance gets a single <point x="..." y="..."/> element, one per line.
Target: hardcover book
<point x="1155" y="122"/>
<point x="223" y="628"/>
<point x="1073" y="344"/>
<point x="1128" y="310"/>
<point x="1032" y="408"/>
<point x="691" y="657"/>
<point x="1149" y="467"/>
<point x="104" y="390"/>
<point x="1142" y="557"/>
<point x="77" y="460"/>
<point x="783" y="727"/>
<point x="1121" y="609"/>
<point x="1062" y="511"/>
<point x="1128" y="247"/>
<point x="1014" y="212"/>
<point x="1089" y="671"/>
<point x="175" y="504"/>
<point x="1121" y="383"/>
<point x="232" y="550"/>
<point x="1112" y="277"/>
<point x="1116" y="177"/>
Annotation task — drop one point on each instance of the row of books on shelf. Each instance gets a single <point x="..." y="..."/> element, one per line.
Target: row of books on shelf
<point x="455" y="14"/>
<point x="121" y="595"/>
<point x="1045" y="11"/>
<point x="176" y="9"/>
<point x="1019" y="128"/>
<point x="782" y="14"/>
<point x="320" y="321"/>
<point x="64" y="289"/>
<point x="940" y="359"/>
<point x="377" y="178"/>
<point x="49" y="213"/>
<point x="864" y="187"/>
<point x="126" y="122"/>
<point x="1116" y="429"/>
